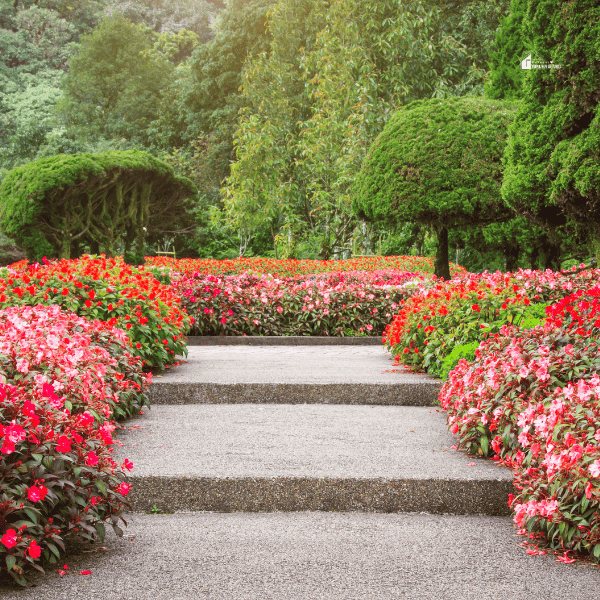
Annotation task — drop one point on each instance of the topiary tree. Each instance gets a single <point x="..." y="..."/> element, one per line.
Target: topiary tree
<point x="552" y="157"/>
<point x="53" y="205"/>
<point x="437" y="162"/>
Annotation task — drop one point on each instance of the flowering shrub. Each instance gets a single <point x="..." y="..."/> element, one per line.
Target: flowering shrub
<point x="431" y="323"/>
<point x="296" y="268"/>
<point x="531" y="398"/>
<point x="62" y="379"/>
<point x="329" y="304"/>
<point x="109" y="290"/>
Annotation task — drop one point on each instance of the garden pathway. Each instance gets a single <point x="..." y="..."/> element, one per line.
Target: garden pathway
<point x="307" y="471"/>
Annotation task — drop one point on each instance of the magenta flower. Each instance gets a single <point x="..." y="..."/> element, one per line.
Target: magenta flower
<point x="9" y="539"/>
<point x="34" y="550"/>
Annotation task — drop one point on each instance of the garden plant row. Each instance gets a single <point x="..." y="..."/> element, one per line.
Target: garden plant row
<point x="79" y="340"/>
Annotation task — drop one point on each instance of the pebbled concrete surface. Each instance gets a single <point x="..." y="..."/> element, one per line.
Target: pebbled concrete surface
<point x="310" y="556"/>
<point x="290" y="375"/>
<point x="305" y="457"/>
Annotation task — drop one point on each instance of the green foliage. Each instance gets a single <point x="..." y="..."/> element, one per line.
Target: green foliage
<point x="335" y="73"/>
<point x="65" y="200"/>
<point x="530" y="316"/>
<point x="506" y="76"/>
<point x="552" y="168"/>
<point x="459" y="352"/>
<point x="115" y="84"/>
<point x="437" y="162"/>
<point x="167" y="15"/>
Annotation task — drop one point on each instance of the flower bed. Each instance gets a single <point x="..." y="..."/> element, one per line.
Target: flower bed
<point x="62" y="379"/>
<point x="109" y="290"/>
<point x="296" y="268"/>
<point x="448" y="314"/>
<point x="329" y="304"/>
<point x="532" y="400"/>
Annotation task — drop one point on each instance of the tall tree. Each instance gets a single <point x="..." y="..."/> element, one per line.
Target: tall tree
<point x="264" y="185"/>
<point x="363" y="60"/>
<point x="510" y="46"/>
<point x="552" y="158"/>
<point x="115" y="83"/>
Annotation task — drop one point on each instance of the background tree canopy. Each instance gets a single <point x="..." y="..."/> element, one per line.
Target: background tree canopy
<point x="270" y="106"/>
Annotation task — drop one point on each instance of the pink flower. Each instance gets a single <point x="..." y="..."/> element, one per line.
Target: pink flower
<point x="9" y="539"/>
<point x="127" y="464"/>
<point x="86" y="572"/>
<point x="594" y="469"/>
<point x="23" y="365"/>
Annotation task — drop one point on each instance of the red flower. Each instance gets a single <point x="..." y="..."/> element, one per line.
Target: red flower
<point x="124" y="488"/>
<point x="88" y="303"/>
<point x="34" y="550"/>
<point x="9" y="539"/>
<point x="35" y="493"/>
<point x="64" y="444"/>
<point x="92" y="459"/>
<point x="475" y="307"/>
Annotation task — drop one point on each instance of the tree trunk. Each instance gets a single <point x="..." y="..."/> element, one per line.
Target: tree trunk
<point x="552" y="256"/>
<point x="595" y="246"/>
<point x="75" y="249"/>
<point x="94" y="247"/>
<point x="511" y="258"/>
<point x="534" y="258"/>
<point x="442" y="261"/>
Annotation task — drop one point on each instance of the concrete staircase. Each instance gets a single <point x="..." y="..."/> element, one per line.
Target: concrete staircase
<point x="307" y="471"/>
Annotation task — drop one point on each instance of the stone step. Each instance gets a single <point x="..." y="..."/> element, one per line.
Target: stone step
<point x="299" y="457"/>
<point x="312" y="555"/>
<point x="329" y="374"/>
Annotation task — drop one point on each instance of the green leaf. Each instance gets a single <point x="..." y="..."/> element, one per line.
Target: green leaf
<point x="11" y="561"/>
<point x="53" y="549"/>
<point x="32" y="514"/>
<point x="484" y="445"/>
<point x="101" y="487"/>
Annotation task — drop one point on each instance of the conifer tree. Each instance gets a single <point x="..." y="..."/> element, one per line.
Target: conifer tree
<point x="506" y="75"/>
